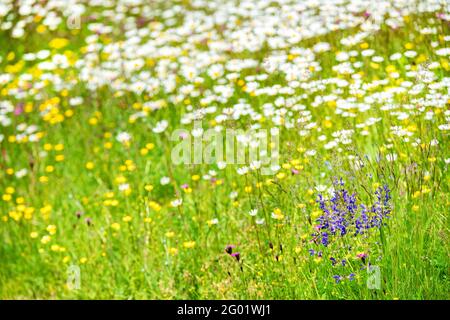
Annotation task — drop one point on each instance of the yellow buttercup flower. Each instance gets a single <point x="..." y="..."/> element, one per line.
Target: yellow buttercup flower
<point x="148" y="220"/>
<point x="416" y="194"/>
<point x="189" y="244"/>
<point x="115" y="226"/>
<point x="51" y="229"/>
<point x="10" y="190"/>
<point x="41" y="28"/>
<point x="154" y="205"/>
<point x="277" y="214"/>
<point x="170" y="234"/>
<point x="58" y="43"/>
<point x="315" y="214"/>
<point x="281" y="175"/>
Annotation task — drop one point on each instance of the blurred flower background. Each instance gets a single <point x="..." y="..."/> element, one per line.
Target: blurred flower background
<point x="357" y="92"/>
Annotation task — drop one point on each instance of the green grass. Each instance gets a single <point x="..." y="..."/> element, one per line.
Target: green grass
<point x="149" y="256"/>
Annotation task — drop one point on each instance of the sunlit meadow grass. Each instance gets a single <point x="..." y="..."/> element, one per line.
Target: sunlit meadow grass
<point x="76" y="191"/>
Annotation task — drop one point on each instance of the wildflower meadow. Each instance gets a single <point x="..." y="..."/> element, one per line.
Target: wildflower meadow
<point x="224" y="149"/>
